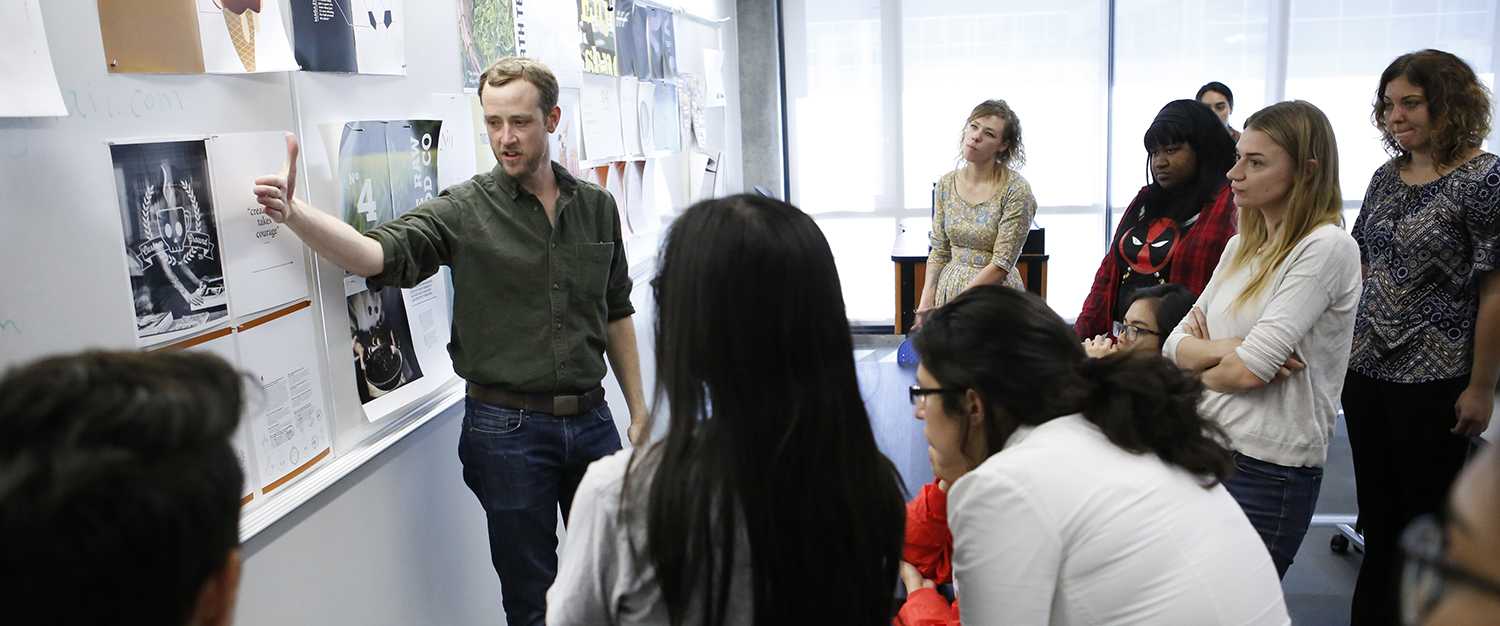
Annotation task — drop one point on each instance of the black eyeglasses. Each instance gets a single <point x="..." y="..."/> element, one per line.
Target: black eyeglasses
<point x="1125" y="331"/>
<point x="917" y="392"/>
<point x="1426" y="575"/>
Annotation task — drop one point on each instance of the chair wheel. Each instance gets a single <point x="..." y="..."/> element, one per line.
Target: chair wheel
<point x="1339" y="544"/>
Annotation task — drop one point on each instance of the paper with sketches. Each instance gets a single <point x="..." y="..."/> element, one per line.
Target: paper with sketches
<point x="364" y="36"/>
<point x="567" y="138"/>
<point x="263" y="261"/>
<point x="486" y="32"/>
<point x="289" y="427"/>
<point x="28" y="85"/>
<point x="630" y="127"/>
<point x="455" y="156"/>
<point x="596" y="24"/>
<point x="243" y="36"/>
<point x="171" y="239"/>
<point x="667" y="123"/>
<point x="713" y="79"/>
<point x="601" y="118"/>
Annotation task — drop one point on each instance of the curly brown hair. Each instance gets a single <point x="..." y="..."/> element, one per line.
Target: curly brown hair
<point x="1457" y="103"/>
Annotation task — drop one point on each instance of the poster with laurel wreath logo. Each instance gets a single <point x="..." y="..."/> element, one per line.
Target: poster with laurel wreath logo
<point x="171" y="238"/>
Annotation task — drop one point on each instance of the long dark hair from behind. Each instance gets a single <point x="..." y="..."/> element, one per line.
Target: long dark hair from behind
<point x="1029" y="368"/>
<point x="1192" y="122"/>
<point x="769" y="437"/>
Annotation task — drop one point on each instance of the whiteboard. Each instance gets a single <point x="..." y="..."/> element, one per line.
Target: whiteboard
<point x="63" y="262"/>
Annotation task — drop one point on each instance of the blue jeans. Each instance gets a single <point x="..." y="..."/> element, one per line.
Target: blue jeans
<point x="1279" y="501"/>
<point x="523" y="466"/>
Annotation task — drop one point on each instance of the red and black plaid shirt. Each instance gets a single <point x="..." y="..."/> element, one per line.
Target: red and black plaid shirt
<point x="1193" y="261"/>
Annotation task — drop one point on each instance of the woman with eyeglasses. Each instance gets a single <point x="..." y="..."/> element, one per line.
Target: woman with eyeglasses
<point x="1152" y="314"/>
<point x="768" y="502"/>
<point x="1451" y="568"/>
<point x="1270" y="334"/>
<point x="1426" y="352"/>
<point x="1176" y="227"/>
<point x="1083" y="491"/>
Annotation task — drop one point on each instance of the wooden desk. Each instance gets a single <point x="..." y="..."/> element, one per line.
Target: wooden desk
<point x="910" y="257"/>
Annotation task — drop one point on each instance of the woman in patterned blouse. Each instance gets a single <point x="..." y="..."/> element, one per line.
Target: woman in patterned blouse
<point x="1426" y="349"/>
<point x="981" y="211"/>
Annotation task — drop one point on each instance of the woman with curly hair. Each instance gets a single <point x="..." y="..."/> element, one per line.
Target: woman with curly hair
<point x="981" y="211"/>
<point x="1426" y="350"/>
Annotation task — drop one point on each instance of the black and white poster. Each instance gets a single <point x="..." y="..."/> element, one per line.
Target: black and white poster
<point x="384" y="356"/>
<point x="363" y="36"/>
<point x="171" y="239"/>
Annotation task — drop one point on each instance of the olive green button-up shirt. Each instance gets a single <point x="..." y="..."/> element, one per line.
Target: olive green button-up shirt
<point x="531" y="301"/>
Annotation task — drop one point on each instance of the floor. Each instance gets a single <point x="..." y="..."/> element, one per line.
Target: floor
<point x="1320" y="582"/>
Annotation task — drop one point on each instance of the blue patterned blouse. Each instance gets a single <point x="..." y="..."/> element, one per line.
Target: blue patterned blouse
<point x="1425" y="245"/>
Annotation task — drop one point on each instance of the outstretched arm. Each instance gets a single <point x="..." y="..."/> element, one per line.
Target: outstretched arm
<point x="327" y="236"/>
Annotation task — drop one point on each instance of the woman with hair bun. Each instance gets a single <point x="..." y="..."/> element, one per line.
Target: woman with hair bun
<point x="1422" y="377"/>
<point x="981" y="211"/>
<point x="1270" y="334"/>
<point x="1084" y="491"/>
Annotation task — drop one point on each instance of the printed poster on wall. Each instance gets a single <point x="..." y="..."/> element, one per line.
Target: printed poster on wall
<point x="353" y="36"/>
<point x="486" y="32"/>
<point x="597" y="25"/>
<point x="264" y="263"/>
<point x="171" y="239"/>
<point x="28" y="85"/>
<point x="661" y="43"/>
<point x="667" y="123"/>
<point x="221" y="343"/>
<point x="456" y="157"/>
<point x="399" y="335"/>
<point x="602" y="138"/>
<point x="631" y="52"/>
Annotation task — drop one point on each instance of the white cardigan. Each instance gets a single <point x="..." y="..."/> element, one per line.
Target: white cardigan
<point x="1306" y="310"/>
<point x="1064" y="527"/>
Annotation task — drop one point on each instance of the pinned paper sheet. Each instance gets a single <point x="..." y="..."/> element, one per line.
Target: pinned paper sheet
<point x="667" y="124"/>
<point x="28" y="85"/>
<point x="601" y="118"/>
<point x="567" y="139"/>
<point x="194" y="36"/>
<point x="363" y="36"/>
<point x="484" y="155"/>
<point x="713" y="79"/>
<point x="486" y="32"/>
<point x="630" y="89"/>
<point x="456" y="159"/>
<point x="645" y="105"/>
<point x="596" y="24"/>
<point x="263" y="261"/>
<point x="243" y="36"/>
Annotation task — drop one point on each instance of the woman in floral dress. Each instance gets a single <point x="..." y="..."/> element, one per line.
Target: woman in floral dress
<point x="981" y="212"/>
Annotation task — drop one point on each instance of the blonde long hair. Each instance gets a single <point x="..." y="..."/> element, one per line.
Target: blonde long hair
<point x="1303" y="131"/>
<point x="1014" y="155"/>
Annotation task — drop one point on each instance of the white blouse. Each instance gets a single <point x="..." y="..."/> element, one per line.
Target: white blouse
<point x="1064" y="527"/>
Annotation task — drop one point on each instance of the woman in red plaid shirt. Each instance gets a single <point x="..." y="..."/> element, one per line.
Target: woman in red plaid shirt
<point x="1176" y="228"/>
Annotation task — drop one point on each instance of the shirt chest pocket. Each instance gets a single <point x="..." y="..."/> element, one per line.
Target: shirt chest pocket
<point x="590" y="271"/>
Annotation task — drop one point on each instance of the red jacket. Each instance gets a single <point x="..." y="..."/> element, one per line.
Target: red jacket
<point x="929" y="546"/>
<point x="1193" y="261"/>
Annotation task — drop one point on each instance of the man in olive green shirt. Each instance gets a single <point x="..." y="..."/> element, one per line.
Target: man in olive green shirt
<point x="541" y="295"/>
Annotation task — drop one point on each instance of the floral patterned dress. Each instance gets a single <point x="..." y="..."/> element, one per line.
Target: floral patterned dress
<point x="967" y="237"/>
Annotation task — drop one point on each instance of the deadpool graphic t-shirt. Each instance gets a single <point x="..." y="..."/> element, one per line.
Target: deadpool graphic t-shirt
<point x="1148" y="234"/>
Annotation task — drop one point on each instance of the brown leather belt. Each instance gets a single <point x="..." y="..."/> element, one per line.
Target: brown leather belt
<point x="561" y="406"/>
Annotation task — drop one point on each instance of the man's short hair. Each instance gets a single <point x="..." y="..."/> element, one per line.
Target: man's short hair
<point x="119" y="489"/>
<point x="530" y="70"/>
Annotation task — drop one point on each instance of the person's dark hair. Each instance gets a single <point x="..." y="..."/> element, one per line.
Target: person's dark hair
<point x="1219" y="88"/>
<point x="1028" y="368"/>
<point x="119" y="490"/>
<point x="1458" y="104"/>
<point x="1169" y="304"/>
<point x="1192" y="122"/>
<point x="769" y="437"/>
